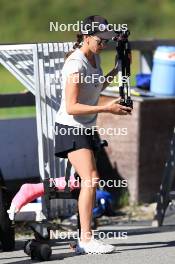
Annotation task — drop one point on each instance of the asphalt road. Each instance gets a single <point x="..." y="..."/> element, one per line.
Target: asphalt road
<point x="143" y="245"/>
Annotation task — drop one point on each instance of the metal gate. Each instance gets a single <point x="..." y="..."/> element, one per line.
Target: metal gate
<point x="38" y="67"/>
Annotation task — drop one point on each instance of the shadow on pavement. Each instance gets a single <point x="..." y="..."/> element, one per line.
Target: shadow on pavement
<point x="149" y="245"/>
<point x="63" y="245"/>
<point x="142" y="231"/>
<point x="58" y="256"/>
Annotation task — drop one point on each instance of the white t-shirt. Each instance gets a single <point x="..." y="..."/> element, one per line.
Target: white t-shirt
<point x="89" y="90"/>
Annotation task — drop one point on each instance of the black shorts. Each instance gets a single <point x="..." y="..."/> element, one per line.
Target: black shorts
<point x="69" y="138"/>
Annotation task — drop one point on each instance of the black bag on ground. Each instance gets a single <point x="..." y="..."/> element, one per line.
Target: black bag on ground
<point x="7" y="234"/>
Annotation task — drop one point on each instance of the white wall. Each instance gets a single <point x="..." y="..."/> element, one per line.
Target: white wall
<point x="18" y="148"/>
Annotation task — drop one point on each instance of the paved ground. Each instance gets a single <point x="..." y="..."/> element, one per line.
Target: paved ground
<point x="144" y="244"/>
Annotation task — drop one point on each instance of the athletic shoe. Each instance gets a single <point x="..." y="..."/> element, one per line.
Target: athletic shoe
<point x="94" y="246"/>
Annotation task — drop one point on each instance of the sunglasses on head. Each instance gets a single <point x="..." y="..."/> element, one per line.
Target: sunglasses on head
<point x="100" y="41"/>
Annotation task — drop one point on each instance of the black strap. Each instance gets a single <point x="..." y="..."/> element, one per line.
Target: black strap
<point x="46" y="198"/>
<point x="67" y="178"/>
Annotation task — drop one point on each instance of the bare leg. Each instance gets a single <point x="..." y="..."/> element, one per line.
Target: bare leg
<point x="83" y="162"/>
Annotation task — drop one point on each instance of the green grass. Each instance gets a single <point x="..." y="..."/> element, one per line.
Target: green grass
<point x="28" y="21"/>
<point x="108" y="59"/>
<point x="17" y="112"/>
<point x="9" y="84"/>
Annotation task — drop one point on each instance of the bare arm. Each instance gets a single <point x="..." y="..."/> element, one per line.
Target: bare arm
<point x="73" y="107"/>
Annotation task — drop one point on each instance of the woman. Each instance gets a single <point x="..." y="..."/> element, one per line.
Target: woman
<point x="79" y="110"/>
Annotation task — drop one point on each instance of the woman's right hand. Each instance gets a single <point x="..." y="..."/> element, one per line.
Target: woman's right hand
<point x="117" y="109"/>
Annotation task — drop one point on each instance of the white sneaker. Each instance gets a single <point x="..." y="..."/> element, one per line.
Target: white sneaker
<point x="94" y="246"/>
